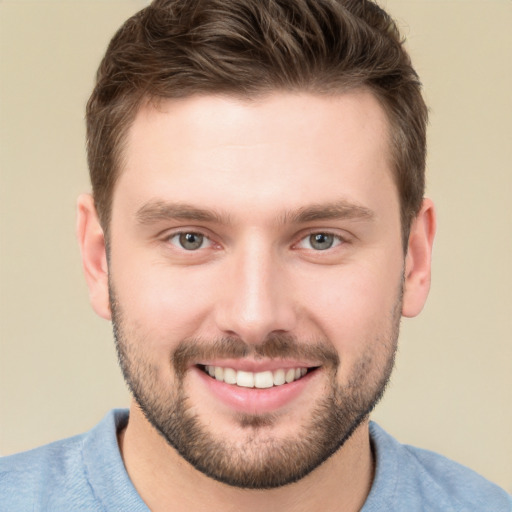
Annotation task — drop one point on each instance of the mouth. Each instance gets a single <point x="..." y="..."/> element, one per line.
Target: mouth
<point x="256" y="387"/>
<point x="260" y="380"/>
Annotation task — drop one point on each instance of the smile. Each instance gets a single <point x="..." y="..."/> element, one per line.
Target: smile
<point x="260" y="380"/>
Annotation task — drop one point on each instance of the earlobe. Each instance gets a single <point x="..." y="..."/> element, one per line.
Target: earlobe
<point x="94" y="255"/>
<point x="418" y="260"/>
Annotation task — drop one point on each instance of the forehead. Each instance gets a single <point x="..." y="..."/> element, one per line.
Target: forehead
<point x="284" y="149"/>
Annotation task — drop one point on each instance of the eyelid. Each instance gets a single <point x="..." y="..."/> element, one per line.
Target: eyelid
<point x="341" y="239"/>
<point x="205" y="241"/>
<point x="169" y="234"/>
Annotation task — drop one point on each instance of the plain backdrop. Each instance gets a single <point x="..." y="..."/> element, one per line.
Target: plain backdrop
<point x="452" y="389"/>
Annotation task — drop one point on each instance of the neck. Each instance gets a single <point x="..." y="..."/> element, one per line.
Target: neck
<point x="162" y="477"/>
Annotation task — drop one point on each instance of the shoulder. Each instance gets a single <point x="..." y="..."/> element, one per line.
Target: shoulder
<point x="443" y="480"/>
<point x="56" y="476"/>
<point x="32" y="477"/>
<point x="416" y="479"/>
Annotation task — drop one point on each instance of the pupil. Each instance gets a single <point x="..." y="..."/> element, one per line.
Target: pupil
<point x="191" y="241"/>
<point x="321" y="241"/>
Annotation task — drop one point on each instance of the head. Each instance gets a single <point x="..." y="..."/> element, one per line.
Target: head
<point x="257" y="170"/>
<point x="249" y="48"/>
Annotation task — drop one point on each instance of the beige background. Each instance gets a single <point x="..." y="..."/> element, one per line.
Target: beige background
<point x="452" y="389"/>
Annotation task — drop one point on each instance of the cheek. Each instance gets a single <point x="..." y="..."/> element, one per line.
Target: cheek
<point x="164" y="304"/>
<point x="356" y="304"/>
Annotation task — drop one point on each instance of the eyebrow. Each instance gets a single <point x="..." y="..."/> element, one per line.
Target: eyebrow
<point x="330" y="211"/>
<point x="157" y="211"/>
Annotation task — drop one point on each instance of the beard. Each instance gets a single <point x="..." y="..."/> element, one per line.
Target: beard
<point x="260" y="459"/>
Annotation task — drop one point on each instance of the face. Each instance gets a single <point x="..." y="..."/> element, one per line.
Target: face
<point x="255" y="276"/>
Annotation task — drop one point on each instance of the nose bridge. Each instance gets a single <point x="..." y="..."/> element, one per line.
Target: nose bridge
<point x="255" y="299"/>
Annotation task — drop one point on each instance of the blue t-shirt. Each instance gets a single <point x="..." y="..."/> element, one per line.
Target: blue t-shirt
<point x="86" y="473"/>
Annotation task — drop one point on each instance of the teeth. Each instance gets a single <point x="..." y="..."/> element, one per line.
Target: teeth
<point x="259" y="380"/>
<point x="263" y="380"/>
<point x="245" y="379"/>
<point x="229" y="376"/>
<point x="279" y="377"/>
<point x="219" y="373"/>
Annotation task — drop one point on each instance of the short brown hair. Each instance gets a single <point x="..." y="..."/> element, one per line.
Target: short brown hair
<point x="177" y="48"/>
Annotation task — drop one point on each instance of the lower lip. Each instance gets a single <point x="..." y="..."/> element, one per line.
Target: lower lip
<point x="255" y="400"/>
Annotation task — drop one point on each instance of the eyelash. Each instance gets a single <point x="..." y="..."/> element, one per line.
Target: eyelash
<point x="179" y="234"/>
<point x="337" y="240"/>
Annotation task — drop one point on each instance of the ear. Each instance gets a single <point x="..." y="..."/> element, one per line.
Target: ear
<point x="94" y="255"/>
<point x="418" y="260"/>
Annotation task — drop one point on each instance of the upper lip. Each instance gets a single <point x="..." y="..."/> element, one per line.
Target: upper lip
<point x="255" y="366"/>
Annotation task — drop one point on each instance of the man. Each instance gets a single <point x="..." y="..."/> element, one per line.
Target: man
<point x="256" y="231"/>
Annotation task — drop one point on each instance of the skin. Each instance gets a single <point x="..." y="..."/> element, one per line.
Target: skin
<point x="256" y="165"/>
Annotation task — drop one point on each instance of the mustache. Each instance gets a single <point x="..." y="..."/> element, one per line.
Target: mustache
<point x="275" y="346"/>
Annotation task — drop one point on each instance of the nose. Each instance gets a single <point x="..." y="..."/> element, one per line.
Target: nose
<point x="256" y="299"/>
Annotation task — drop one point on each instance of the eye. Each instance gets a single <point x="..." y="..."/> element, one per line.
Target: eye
<point x="320" y="241"/>
<point x="190" y="241"/>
